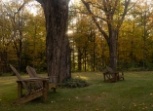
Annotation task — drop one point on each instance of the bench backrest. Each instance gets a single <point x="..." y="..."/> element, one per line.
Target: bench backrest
<point x="31" y="71"/>
<point x="109" y="69"/>
<point x="19" y="77"/>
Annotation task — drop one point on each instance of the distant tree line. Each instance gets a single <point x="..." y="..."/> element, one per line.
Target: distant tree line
<point x="23" y="38"/>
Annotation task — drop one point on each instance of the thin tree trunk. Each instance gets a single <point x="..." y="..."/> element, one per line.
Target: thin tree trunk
<point x="85" y="60"/>
<point x="79" y="60"/>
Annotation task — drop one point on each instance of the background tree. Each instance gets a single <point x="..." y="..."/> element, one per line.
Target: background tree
<point x="135" y="35"/>
<point x="5" y="39"/>
<point x="35" y="43"/>
<point x="85" y="41"/>
<point x="88" y="46"/>
<point x="21" y="35"/>
<point x="16" y="18"/>
<point x="112" y="14"/>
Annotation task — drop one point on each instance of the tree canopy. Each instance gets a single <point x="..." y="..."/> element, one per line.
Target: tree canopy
<point x="23" y="35"/>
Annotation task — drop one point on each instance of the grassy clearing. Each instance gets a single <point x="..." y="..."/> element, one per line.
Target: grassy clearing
<point x="133" y="94"/>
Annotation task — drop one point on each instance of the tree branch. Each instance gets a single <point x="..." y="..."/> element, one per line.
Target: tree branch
<point x="22" y="6"/>
<point x="126" y="4"/>
<point x="114" y="7"/>
<point x="77" y="10"/>
<point x="94" y="20"/>
<point x="40" y="1"/>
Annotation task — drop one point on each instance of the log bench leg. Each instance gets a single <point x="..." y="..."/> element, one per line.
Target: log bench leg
<point x="20" y="87"/>
<point x="45" y="90"/>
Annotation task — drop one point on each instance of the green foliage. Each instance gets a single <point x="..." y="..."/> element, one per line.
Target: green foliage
<point x="74" y="83"/>
<point x="22" y="36"/>
<point x="135" y="40"/>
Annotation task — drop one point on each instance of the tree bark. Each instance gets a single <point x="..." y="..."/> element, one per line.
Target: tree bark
<point x="79" y="60"/>
<point x="57" y="44"/>
<point x="112" y="43"/>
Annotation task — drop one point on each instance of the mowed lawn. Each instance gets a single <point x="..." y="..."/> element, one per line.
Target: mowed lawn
<point x="133" y="94"/>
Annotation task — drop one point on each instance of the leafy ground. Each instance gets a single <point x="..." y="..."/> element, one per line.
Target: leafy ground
<point x="133" y="94"/>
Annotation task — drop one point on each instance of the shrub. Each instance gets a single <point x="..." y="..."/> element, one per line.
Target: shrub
<point x="74" y="83"/>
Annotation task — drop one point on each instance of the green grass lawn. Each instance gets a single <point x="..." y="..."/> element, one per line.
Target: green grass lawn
<point x="133" y="94"/>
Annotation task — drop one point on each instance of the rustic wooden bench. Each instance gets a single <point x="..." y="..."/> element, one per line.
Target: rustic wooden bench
<point x="29" y="89"/>
<point x="112" y="76"/>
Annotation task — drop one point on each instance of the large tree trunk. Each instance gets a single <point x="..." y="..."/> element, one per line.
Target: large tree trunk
<point x="57" y="44"/>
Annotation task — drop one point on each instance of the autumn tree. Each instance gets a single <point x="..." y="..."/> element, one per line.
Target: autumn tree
<point x="35" y="42"/>
<point x="5" y="40"/>
<point x="82" y="42"/>
<point x="57" y="44"/>
<point x="85" y="40"/>
<point x="16" y="19"/>
<point x="135" y="35"/>
<point x="143" y="14"/>
<point x="112" y="14"/>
